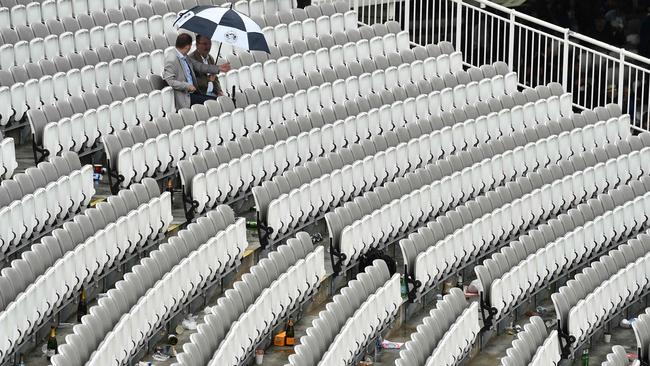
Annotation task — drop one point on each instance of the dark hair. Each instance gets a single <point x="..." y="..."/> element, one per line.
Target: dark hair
<point x="183" y="40"/>
<point x="198" y="38"/>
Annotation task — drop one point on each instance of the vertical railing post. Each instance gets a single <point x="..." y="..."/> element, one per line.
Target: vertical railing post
<point x="459" y="24"/>
<point x="356" y="8"/>
<point x="511" y="40"/>
<point x="621" y="77"/>
<point x="407" y="18"/>
<point x="565" y="61"/>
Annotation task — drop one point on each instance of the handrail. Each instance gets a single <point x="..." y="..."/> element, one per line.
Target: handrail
<point x="595" y="72"/>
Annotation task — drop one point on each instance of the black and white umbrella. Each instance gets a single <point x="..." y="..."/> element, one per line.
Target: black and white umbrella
<point x="224" y="25"/>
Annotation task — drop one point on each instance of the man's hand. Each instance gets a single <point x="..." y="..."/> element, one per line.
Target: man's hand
<point x="220" y="94"/>
<point x="225" y="67"/>
<point x="191" y="89"/>
<point x="212" y="77"/>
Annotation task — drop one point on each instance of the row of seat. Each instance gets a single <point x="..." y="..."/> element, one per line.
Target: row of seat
<point x="554" y="228"/>
<point x="432" y="329"/>
<point x="62" y="281"/>
<point x="262" y="7"/>
<point x="40" y="256"/>
<point x="549" y="352"/>
<point x="40" y="12"/>
<point x="609" y="297"/>
<point x="494" y="267"/>
<point x="19" y="97"/>
<point x="319" y="120"/>
<point x="528" y="341"/>
<point x="47" y="207"/>
<point x="421" y="205"/>
<point x="82" y="131"/>
<point x="362" y="328"/>
<point x="351" y="86"/>
<point x="171" y="293"/>
<point x="128" y="37"/>
<point x="618" y="357"/>
<point x="90" y="57"/>
<point x="28" y="25"/>
<point x="582" y="242"/>
<point x="324" y="329"/>
<point x="310" y="27"/>
<point x="239" y="123"/>
<point x="463" y="215"/>
<point x="561" y="140"/>
<point x="337" y="39"/>
<point x="589" y="280"/>
<point x="363" y="174"/>
<point x="215" y="131"/>
<point x="346" y="215"/>
<point x="250" y="109"/>
<point x="102" y="103"/>
<point x="246" y="145"/>
<point x="68" y="43"/>
<point x="265" y="194"/>
<point x="642" y="334"/>
<point x="102" y="318"/>
<point x="239" y="298"/>
<point x="330" y="62"/>
<point x="458" y="341"/>
<point x="286" y="14"/>
<point x="353" y="211"/>
<point x="262" y="164"/>
<point x="445" y="255"/>
<point x="40" y="176"/>
<point x="275" y="303"/>
<point x="349" y="83"/>
<point x="315" y="119"/>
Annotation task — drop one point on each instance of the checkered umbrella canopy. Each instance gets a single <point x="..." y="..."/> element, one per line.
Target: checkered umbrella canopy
<point x="223" y="25"/>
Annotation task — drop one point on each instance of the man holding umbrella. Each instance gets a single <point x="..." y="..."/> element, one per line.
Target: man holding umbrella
<point x="179" y="73"/>
<point x="207" y="83"/>
<point x="221" y="24"/>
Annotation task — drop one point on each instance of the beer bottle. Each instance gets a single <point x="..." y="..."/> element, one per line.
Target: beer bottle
<point x="52" y="345"/>
<point x="290" y="339"/>
<point x="82" y="307"/>
<point x="251" y="224"/>
<point x="585" y="357"/>
<point x="21" y="361"/>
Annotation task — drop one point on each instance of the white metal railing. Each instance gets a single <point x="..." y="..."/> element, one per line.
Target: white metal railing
<point x="540" y="52"/>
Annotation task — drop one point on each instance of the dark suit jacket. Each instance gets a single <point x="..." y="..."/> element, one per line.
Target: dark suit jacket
<point x="202" y="78"/>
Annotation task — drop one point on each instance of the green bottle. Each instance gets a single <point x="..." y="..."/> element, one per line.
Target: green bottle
<point x="585" y="357"/>
<point x="404" y="287"/>
<point x="52" y="345"/>
<point x="251" y="224"/>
